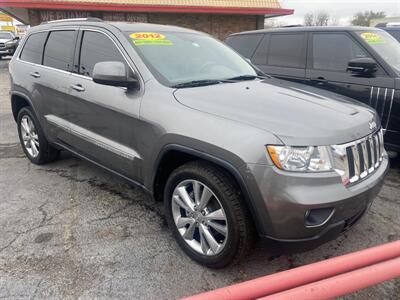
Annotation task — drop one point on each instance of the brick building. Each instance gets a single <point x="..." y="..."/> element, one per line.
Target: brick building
<point x="217" y="17"/>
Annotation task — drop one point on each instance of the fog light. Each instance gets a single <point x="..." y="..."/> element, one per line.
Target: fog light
<point x="318" y="217"/>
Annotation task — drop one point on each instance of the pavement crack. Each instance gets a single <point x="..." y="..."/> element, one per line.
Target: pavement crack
<point x="150" y="206"/>
<point x="9" y="243"/>
<point x="44" y="213"/>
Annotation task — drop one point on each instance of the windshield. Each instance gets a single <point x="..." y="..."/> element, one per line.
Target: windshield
<point x="5" y="36"/>
<point x="176" y="57"/>
<point x="385" y="45"/>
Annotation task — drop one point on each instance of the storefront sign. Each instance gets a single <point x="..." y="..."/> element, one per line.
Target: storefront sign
<point x="51" y="15"/>
<point x="5" y="18"/>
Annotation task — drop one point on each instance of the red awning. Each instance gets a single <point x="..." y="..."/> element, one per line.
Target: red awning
<point x="126" y="6"/>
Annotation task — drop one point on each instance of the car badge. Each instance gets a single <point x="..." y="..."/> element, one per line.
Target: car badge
<point x="372" y="125"/>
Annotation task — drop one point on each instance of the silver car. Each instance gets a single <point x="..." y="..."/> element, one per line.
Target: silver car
<point x="233" y="153"/>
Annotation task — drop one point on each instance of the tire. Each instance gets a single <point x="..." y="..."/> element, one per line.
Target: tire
<point x="45" y="152"/>
<point x="238" y="227"/>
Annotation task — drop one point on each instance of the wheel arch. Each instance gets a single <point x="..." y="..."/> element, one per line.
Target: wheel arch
<point x="166" y="162"/>
<point x="18" y="101"/>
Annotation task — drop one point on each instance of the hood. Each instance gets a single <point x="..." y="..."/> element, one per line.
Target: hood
<point x="295" y="113"/>
<point x="5" y="40"/>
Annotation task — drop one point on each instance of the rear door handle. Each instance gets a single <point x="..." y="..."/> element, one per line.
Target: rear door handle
<point x="78" y="87"/>
<point x="35" y="74"/>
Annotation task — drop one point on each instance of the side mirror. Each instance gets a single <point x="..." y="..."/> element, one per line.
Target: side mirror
<point x="114" y="73"/>
<point x="362" y="66"/>
<point x="16" y="38"/>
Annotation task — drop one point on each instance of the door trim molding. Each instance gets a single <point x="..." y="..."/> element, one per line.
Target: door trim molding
<point x="93" y="138"/>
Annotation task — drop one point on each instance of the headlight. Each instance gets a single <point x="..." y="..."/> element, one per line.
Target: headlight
<point x="301" y="159"/>
<point x="10" y="43"/>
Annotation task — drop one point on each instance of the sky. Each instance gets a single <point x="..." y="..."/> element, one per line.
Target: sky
<point x="341" y="10"/>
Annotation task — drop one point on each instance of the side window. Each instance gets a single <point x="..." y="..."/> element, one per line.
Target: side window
<point x="333" y="51"/>
<point x="59" y="50"/>
<point x="245" y="44"/>
<point x="287" y="50"/>
<point x="33" y="48"/>
<point x="96" y="47"/>
<point x="260" y="56"/>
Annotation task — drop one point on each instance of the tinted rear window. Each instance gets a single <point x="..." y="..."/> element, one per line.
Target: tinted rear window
<point x="59" y="50"/>
<point x="260" y="56"/>
<point x="395" y="34"/>
<point x="244" y="44"/>
<point x="286" y="50"/>
<point x="33" y="49"/>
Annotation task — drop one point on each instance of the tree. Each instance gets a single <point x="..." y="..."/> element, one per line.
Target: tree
<point x="364" y="18"/>
<point x="316" y="19"/>
<point x="271" y="23"/>
<point x="309" y="19"/>
<point x="322" y="19"/>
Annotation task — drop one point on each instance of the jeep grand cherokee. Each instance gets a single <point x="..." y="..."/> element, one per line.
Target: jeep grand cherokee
<point x="231" y="152"/>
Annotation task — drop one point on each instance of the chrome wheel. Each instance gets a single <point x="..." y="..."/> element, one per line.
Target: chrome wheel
<point x="29" y="136"/>
<point x="199" y="217"/>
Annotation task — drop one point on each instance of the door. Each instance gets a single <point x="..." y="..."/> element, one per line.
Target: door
<point x="103" y="119"/>
<point x="55" y="75"/>
<point x="328" y="57"/>
<point x="282" y="55"/>
<point x="45" y="63"/>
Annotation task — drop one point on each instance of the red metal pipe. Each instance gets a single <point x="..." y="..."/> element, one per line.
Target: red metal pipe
<point x="342" y="284"/>
<point x="290" y="279"/>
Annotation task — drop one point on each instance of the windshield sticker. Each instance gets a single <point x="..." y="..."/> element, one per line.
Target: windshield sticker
<point x="152" y="42"/>
<point x="372" y="38"/>
<point x="149" y="38"/>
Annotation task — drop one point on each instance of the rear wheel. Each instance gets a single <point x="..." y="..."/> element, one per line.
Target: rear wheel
<point x="204" y="209"/>
<point x="32" y="139"/>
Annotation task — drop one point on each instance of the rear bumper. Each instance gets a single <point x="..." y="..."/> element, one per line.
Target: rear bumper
<point x="287" y="197"/>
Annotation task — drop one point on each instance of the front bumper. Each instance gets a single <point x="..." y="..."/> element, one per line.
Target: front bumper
<point x="7" y="50"/>
<point x="286" y="197"/>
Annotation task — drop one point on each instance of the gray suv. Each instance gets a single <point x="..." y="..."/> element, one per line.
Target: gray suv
<point x="230" y="151"/>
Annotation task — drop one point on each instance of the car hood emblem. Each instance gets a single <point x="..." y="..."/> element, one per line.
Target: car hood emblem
<point x="372" y="125"/>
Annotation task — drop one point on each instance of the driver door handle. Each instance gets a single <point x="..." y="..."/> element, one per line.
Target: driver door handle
<point x="78" y="87"/>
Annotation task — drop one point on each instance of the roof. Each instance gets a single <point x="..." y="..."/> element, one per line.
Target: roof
<point x="308" y="28"/>
<point x="257" y="7"/>
<point x="396" y="28"/>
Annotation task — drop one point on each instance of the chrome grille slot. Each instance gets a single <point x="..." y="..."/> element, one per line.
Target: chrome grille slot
<point x="356" y="160"/>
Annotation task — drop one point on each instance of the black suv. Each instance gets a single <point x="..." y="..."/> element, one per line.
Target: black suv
<point x="394" y="31"/>
<point x="359" y="62"/>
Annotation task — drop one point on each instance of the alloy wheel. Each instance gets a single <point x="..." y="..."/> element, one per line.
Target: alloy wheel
<point x="29" y="136"/>
<point x="199" y="217"/>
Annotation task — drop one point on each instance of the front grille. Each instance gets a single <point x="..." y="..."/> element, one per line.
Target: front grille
<point x="2" y="45"/>
<point x="356" y="160"/>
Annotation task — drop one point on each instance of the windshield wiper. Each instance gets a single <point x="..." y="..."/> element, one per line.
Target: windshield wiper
<point x="247" y="77"/>
<point x="195" y="83"/>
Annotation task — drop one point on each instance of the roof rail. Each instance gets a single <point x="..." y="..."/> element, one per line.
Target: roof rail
<point x="90" y="19"/>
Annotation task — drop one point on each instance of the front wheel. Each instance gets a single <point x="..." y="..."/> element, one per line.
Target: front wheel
<point x="205" y="211"/>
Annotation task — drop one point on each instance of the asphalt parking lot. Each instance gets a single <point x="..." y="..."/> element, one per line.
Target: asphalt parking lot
<point x="70" y="230"/>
